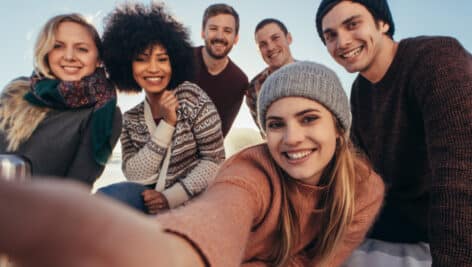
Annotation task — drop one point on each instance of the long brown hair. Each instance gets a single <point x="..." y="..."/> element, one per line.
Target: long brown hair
<point x="340" y="177"/>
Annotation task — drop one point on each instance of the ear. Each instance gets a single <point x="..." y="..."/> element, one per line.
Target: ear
<point x="236" y="39"/>
<point x="383" y="26"/>
<point x="202" y="34"/>
<point x="289" y="38"/>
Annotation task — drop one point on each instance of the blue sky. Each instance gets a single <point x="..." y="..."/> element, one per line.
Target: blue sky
<point x="20" y="20"/>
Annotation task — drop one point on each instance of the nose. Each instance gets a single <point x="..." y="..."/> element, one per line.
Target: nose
<point x="270" y="46"/>
<point x="344" y="39"/>
<point x="69" y="54"/>
<point x="153" y="66"/>
<point x="219" y="34"/>
<point x="293" y="135"/>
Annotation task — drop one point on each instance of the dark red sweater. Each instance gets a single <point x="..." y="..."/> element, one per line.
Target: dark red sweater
<point x="226" y="89"/>
<point x="415" y="125"/>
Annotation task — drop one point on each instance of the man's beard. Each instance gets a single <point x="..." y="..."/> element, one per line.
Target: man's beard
<point x="208" y="44"/>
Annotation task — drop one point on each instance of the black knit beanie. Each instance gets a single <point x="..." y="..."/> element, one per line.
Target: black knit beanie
<point x="378" y="8"/>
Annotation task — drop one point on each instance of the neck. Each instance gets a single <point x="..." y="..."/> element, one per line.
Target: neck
<point x="274" y="68"/>
<point x="214" y="66"/>
<point x="382" y="61"/>
<point x="153" y="100"/>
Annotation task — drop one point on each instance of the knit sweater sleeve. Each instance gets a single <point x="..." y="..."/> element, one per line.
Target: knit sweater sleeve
<point x="209" y="139"/>
<point x="142" y="163"/>
<point x="222" y="218"/>
<point x="444" y="95"/>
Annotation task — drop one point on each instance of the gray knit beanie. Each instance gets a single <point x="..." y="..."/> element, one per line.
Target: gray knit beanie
<point x="305" y="79"/>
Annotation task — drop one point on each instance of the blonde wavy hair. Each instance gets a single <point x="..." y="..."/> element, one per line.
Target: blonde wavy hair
<point x="47" y="38"/>
<point x="340" y="177"/>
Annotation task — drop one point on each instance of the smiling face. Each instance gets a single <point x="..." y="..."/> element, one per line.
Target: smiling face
<point x="354" y="39"/>
<point x="274" y="45"/>
<point x="301" y="136"/>
<point x="74" y="54"/>
<point x="152" y="69"/>
<point x="219" y="34"/>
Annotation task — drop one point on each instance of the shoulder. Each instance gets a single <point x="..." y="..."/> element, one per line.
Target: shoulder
<point x="263" y="73"/>
<point x="133" y="113"/>
<point x="191" y="93"/>
<point x="425" y="42"/>
<point x="433" y="50"/>
<point x="236" y="71"/>
<point x="369" y="185"/>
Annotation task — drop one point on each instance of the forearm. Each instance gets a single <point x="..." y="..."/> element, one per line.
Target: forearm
<point x="450" y="220"/>
<point x="140" y="165"/>
<point x="59" y="224"/>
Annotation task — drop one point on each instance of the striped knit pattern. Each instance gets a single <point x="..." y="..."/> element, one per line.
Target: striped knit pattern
<point x="197" y="143"/>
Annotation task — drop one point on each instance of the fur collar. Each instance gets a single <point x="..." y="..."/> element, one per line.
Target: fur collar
<point x="18" y="118"/>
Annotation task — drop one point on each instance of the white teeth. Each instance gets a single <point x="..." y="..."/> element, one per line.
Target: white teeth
<point x="154" y="79"/>
<point x="298" y="155"/>
<point x="70" y="69"/>
<point x="352" y="53"/>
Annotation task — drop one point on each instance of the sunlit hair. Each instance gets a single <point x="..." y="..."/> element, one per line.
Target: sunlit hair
<point x="277" y="22"/>
<point x="218" y="9"/>
<point x="131" y="29"/>
<point x="340" y="177"/>
<point x="47" y="38"/>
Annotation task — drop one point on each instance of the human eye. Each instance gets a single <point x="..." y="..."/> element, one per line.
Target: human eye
<point x="274" y="124"/>
<point x="329" y="36"/>
<point x="163" y="58"/>
<point x="308" y="119"/>
<point x="57" y="45"/>
<point x="353" y="24"/>
<point x="83" y="49"/>
<point x="140" y="58"/>
<point x="228" y="30"/>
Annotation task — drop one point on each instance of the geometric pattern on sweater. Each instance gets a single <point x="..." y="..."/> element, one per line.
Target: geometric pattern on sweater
<point x="196" y="145"/>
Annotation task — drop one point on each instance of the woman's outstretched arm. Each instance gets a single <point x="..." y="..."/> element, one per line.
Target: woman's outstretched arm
<point x="58" y="223"/>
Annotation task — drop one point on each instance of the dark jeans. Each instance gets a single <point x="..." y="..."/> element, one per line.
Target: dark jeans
<point x="128" y="193"/>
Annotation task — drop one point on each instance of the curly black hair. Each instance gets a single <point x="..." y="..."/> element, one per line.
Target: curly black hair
<point x="132" y="28"/>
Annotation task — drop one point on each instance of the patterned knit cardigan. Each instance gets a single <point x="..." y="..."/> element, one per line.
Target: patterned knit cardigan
<point x="196" y="145"/>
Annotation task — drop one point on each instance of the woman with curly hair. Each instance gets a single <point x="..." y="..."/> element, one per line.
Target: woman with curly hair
<point x="304" y="198"/>
<point x="63" y="119"/>
<point x="172" y="142"/>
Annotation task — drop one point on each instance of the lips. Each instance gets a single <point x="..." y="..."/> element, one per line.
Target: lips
<point x="71" y="69"/>
<point x="352" y="53"/>
<point x="298" y="155"/>
<point x="154" y="80"/>
<point x="219" y="41"/>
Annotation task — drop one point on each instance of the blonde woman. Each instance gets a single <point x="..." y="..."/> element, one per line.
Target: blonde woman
<point x="63" y="118"/>
<point x="304" y="198"/>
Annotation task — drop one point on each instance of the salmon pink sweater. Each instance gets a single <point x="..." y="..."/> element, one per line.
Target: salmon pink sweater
<point x="234" y="223"/>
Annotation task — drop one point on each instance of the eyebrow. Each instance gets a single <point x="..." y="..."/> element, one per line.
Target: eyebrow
<point x="298" y="114"/>
<point x="148" y="53"/>
<point x="346" y="21"/>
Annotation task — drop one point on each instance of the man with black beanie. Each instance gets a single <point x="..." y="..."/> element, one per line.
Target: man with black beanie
<point x="412" y="117"/>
